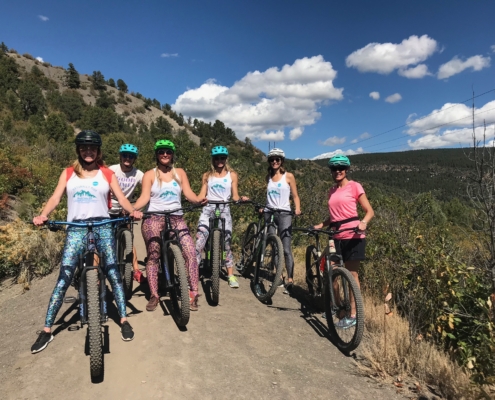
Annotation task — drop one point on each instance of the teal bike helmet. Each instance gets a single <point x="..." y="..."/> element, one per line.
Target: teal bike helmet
<point x="339" y="160"/>
<point x="165" y="144"/>
<point x="128" y="148"/>
<point x="219" y="151"/>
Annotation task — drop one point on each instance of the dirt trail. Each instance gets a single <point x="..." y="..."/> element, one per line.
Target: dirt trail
<point x="241" y="349"/>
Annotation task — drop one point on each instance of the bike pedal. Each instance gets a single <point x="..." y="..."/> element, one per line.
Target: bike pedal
<point x="70" y="299"/>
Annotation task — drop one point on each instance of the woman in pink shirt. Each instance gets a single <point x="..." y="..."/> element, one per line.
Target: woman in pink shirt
<point x="343" y="199"/>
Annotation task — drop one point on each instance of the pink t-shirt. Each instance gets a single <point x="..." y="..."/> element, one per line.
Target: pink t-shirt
<point x="342" y="204"/>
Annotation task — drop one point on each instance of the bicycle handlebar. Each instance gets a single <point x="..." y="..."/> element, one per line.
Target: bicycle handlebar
<point x="314" y="232"/>
<point x="53" y="224"/>
<point x="168" y="212"/>
<point x="259" y="205"/>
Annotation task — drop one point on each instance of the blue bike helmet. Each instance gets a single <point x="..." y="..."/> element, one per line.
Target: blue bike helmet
<point x="128" y="148"/>
<point x="339" y="160"/>
<point x="219" y="151"/>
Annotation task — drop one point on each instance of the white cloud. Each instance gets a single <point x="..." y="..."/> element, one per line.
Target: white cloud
<point x="417" y="72"/>
<point x="393" y="98"/>
<point x="332" y="141"/>
<point x="39" y="59"/>
<point x="363" y="136"/>
<point x="43" y="18"/>
<point x="451" y="137"/>
<point x="456" y="66"/>
<point x="261" y="103"/>
<point x="451" y="115"/>
<point x="493" y="48"/>
<point x="330" y="154"/>
<point x="169" y="55"/>
<point x="384" y="58"/>
<point x="375" y="95"/>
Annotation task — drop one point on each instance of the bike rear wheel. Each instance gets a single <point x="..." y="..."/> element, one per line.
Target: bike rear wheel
<point x="216" y="257"/>
<point x="313" y="275"/>
<point x="346" y="332"/>
<point x="94" y="325"/>
<point x="248" y="249"/>
<point x="267" y="275"/>
<point x="125" y="261"/>
<point x="179" y="294"/>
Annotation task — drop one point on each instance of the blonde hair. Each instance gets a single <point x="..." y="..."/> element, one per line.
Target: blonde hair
<point x="77" y="165"/>
<point x="175" y="175"/>
<point x="212" y="170"/>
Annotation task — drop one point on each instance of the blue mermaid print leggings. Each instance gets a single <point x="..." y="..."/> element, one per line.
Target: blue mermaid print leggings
<point x="74" y="245"/>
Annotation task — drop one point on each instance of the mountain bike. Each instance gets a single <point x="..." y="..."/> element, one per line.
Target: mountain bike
<point x="327" y="277"/>
<point x="215" y="249"/>
<point x="89" y="282"/>
<point x="172" y="267"/>
<point x="124" y="237"/>
<point x="263" y="252"/>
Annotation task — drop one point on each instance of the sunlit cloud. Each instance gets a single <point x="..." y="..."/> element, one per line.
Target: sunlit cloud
<point x="43" y="18"/>
<point x="456" y="66"/>
<point x="451" y="137"/>
<point x="333" y="141"/>
<point x="375" y="95"/>
<point x="393" y="98"/>
<point x="330" y="154"/>
<point x="169" y="55"/>
<point x="363" y="136"/>
<point x="39" y="59"/>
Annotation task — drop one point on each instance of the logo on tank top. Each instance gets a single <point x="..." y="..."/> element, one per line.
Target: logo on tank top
<point x="174" y="183"/>
<point x="95" y="183"/>
<point x="83" y="196"/>
<point x="279" y="185"/>
<point x="218" y="186"/>
<point x="225" y="180"/>
<point x="274" y="193"/>
<point x="167" y="194"/>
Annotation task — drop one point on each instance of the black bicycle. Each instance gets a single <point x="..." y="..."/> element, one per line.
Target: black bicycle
<point x="89" y="282"/>
<point x="263" y="252"/>
<point x="327" y="278"/>
<point x="215" y="254"/>
<point x="124" y="237"/>
<point x="172" y="267"/>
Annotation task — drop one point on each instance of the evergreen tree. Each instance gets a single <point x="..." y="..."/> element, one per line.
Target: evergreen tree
<point x="31" y="98"/>
<point x="98" y="81"/>
<point x="111" y="82"/>
<point x="147" y="103"/>
<point x="72" y="80"/>
<point x="122" y="86"/>
<point x="3" y="48"/>
<point x="105" y="100"/>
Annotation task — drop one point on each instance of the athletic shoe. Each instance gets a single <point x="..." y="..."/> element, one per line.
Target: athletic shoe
<point x="127" y="332"/>
<point x="288" y="288"/>
<point x="43" y="339"/>
<point x="346" y="323"/>
<point x="152" y="304"/>
<point x="193" y="303"/>
<point x="233" y="282"/>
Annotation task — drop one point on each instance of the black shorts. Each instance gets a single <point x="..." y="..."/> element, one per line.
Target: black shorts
<point x="351" y="249"/>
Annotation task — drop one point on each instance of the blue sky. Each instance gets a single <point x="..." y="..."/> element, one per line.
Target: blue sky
<point x="314" y="76"/>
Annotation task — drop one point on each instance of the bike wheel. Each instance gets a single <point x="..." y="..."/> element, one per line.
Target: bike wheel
<point x="313" y="275"/>
<point x="267" y="275"/>
<point x="94" y="325"/>
<point x="125" y="261"/>
<point x="347" y="335"/>
<point x="215" y="267"/>
<point x="179" y="294"/>
<point x="248" y="242"/>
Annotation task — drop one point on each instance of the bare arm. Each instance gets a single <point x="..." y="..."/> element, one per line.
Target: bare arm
<point x="186" y="188"/>
<point x="119" y="195"/>
<point x="365" y="204"/>
<point x="144" y="199"/>
<point x="204" y="186"/>
<point x="53" y="202"/>
<point x="293" y="190"/>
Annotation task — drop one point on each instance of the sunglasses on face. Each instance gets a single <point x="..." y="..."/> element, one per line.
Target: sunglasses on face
<point x="88" y="148"/>
<point x="128" y="155"/>
<point x="338" y="168"/>
<point x="167" y="152"/>
<point x="219" y="158"/>
<point x="276" y="159"/>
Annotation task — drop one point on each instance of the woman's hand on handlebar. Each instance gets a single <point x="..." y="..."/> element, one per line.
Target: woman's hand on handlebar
<point x="319" y="226"/>
<point x="40" y="220"/>
<point x="244" y="198"/>
<point x="203" y="202"/>
<point x="137" y="215"/>
<point x="297" y="212"/>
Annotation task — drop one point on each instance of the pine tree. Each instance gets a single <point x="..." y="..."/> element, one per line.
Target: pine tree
<point x="121" y="86"/>
<point x="72" y="77"/>
<point x="111" y="82"/>
<point x="98" y="81"/>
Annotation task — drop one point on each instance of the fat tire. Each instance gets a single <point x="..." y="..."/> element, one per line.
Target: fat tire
<point x="337" y="334"/>
<point x="274" y="243"/>
<point x="94" y="325"/>
<point x="180" y="291"/>
<point x="125" y="262"/>
<point x="248" y="249"/>
<point x="215" y="267"/>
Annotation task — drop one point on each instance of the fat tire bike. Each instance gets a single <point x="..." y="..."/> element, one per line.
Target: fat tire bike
<point x="262" y="255"/>
<point x="172" y="273"/>
<point x="124" y="238"/>
<point x="89" y="282"/>
<point x="328" y="278"/>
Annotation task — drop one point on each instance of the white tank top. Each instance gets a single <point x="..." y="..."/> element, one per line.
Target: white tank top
<point x="219" y="189"/>
<point x="87" y="197"/>
<point x="278" y="193"/>
<point x="165" y="197"/>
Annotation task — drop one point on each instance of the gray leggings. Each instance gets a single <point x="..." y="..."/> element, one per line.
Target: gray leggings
<point x="284" y="224"/>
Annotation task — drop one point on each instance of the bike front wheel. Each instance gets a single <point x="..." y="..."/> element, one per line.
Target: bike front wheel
<point x="269" y="267"/>
<point x="125" y="261"/>
<point x="346" y="330"/>
<point x="216" y="257"/>
<point x="94" y="325"/>
<point x="313" y="275"/>
<point x="248" y="243"/>
<point x="179" y="293"/>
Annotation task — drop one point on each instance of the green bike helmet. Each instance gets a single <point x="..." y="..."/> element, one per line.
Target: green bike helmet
<point x="338" y="160"/>
<point x="128" y="148"/>
<point x="165" y="144"/>
<point x="219" y="151"/>
<point x="88" y="137"/>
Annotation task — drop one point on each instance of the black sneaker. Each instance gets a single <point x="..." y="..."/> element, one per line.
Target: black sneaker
<point x="127" y="332"/>
<point x="43" y="339"/>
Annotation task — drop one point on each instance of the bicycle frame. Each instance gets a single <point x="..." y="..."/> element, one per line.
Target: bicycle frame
<point x="216" y="224"/>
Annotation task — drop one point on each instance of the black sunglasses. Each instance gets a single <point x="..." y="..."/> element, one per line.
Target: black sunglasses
<point x="276" y="159"/>
<point x="128" y="155"/>
<point x="167" y="152"/>
<point x="219" y="158"/>
<point x="339" y="168"/>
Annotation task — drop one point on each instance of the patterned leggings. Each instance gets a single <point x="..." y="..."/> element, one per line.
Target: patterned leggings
<point x="151" y="228"/>
<point x="74" y="245"/>
<point x="203" y="232"/>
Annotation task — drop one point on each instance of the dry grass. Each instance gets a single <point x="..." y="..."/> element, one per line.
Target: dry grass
<point x="391" y="352"/>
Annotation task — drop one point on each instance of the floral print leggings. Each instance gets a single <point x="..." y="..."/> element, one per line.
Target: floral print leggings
<point x="151" y="228"/>
<point x="74" y="244"/>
